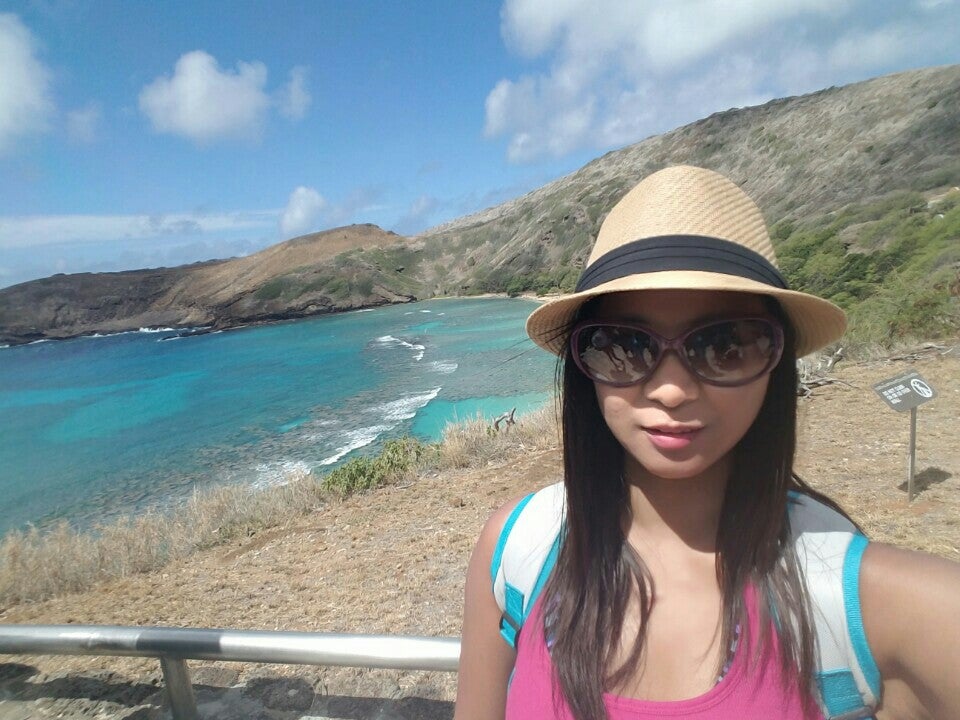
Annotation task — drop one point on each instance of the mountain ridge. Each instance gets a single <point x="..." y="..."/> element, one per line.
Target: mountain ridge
<point x="804" y="159"/>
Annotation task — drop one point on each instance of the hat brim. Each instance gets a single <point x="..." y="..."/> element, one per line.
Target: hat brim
<point x="817" y="322"/>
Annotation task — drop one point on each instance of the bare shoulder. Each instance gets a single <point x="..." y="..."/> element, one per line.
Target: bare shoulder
<point x="495" y="524"/>
<point x="910" y="601"/>
<point x="899" y="577"/>
<point x="486" y="660"/>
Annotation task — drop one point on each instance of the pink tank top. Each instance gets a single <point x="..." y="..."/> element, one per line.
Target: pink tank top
<point x="745" y="693"/>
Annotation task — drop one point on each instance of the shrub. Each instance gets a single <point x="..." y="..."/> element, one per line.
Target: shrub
<point x="270" y="290"/>
<point x="396" y="459"/>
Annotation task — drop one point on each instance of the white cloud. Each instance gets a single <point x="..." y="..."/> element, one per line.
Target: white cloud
<point x="417" y="216"/>
<point x="678" y="33"/>
<point x="294" y="98"/>
<point x="871" y="48"/>
<point x="614" y="72"/>
<point x="35" y="231"/>
<point x="356" y="206"/>
<point x="25" y="100"/>
<point x="303" y="212"/>
<point x="204" y="103"/>
<point x="83" y="123"/>
<point x="561" y="112"/>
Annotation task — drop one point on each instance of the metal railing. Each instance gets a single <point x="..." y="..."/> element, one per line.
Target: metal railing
<point x="174" y="646"/>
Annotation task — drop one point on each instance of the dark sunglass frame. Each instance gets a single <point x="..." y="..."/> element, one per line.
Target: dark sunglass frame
<point x="676" y="344"/>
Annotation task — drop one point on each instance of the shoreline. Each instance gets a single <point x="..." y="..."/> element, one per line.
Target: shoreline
<point x="311" y="422"/>
<point x="9" y="341"/>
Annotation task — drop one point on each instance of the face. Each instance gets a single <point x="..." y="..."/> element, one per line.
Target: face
<point x="673" y="425"/>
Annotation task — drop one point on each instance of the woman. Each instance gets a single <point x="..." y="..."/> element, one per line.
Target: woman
<point x="679" y="588"/>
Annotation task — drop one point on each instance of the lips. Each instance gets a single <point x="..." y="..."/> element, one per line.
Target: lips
<point x="672" y="437"/>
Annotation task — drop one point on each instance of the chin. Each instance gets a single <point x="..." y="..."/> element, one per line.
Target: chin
<point x="666" y="469"/>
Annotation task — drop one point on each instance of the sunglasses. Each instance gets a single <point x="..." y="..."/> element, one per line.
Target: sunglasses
<point x="727" y="353"/>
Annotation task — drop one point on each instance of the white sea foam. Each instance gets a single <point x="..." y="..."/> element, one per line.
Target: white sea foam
<point x="443" y="367"/>
<point x="406" y="407"/>
<point x="356" y="439"/>
<point x="148" y="331"/>
<point x="388" y="340"/>
<point x="426" y="311"/>
<point x="42" y="340"/>
<point x="106" y="335"/>
<point x="3" y="347"/>
<point x="280" y="472"/>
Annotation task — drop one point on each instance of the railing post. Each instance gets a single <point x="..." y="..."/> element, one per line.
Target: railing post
<point x="176" y="676"/>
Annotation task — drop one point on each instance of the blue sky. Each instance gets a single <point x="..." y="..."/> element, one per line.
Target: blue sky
<point x="137" y="134"/>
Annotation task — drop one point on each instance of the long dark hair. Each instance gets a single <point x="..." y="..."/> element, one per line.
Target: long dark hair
<point x="597" y="571"/>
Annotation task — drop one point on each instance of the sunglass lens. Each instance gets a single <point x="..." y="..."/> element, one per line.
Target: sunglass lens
<point x="731" y="352"/>
<point x="616" y="355"/>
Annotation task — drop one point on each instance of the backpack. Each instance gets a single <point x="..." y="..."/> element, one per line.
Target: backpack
<point x="829" y="549"/>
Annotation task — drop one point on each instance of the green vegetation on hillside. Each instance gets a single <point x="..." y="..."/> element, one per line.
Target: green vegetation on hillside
<point x="351" y="276"/>
<point x="893" y="265"/>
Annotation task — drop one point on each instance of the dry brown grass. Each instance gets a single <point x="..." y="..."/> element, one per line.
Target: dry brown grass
<point x="37" y="564"/>
<point x="474" y="443"/>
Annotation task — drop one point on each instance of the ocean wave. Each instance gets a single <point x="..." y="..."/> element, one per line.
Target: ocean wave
<point x="280" y="472"/>
<point x="406" y="407"/>
<point x="148" y="331"/>
<point x="444" y="367"/>
<point x="356" y="439"/>
<point x="388" y="340"/>
<point x="103" y="335"/>
<point x="42" y="340"/>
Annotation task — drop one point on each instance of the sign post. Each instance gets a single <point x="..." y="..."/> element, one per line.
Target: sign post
<point x="902" y="393"/>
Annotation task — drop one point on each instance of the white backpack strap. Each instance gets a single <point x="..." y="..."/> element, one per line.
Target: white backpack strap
<point x="526" y="552"/>
<point x="829" y="549"/>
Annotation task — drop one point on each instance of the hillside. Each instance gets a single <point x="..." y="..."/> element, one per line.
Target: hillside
<point x="864" y="170"/>
<point x="218" y="294"/>
<point x="803" y="159"/>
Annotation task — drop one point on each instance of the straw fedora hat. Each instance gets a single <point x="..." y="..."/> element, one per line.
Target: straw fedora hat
<point x="686" y="228"/>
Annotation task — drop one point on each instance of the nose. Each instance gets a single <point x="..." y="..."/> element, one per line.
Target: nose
<point x="671" y="384"/>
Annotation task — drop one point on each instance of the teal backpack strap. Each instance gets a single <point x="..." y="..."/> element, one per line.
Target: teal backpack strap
<point x="830" y="549"/>
<point x="524" y="556"/>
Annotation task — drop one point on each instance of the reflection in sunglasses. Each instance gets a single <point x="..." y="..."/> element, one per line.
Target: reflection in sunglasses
<point x="729" y="352"/>
<point x="613" y="364"/>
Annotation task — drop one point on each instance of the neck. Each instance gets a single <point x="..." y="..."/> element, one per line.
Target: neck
<point x="687" y="510"/>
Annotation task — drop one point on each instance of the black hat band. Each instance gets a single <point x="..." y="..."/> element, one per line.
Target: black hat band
<point x="680" y="252"/>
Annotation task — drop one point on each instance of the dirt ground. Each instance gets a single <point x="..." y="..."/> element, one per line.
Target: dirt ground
<point x="393" y="561"/>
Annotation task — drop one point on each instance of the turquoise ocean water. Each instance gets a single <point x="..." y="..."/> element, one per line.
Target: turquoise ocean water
<point x="95" y="428"/>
